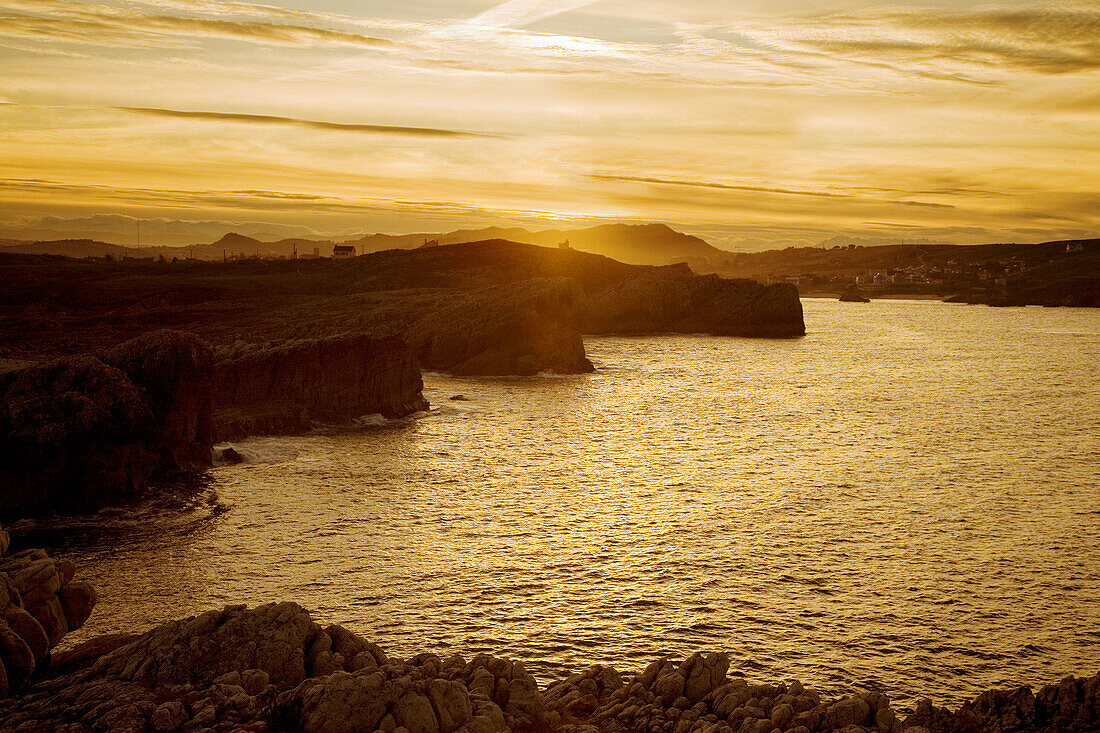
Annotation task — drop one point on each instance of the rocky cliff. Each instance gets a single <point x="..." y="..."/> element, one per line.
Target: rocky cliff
<point x="509" y="329"/>
<point x="287" y="388"/>
<point x="673" y="300"/>
<point x="491" y="307"/>
<point x="84" y="432"/>
<point x="273" y="668"/>
<point x="87" y="431"/>
<point x="174" y="369"/>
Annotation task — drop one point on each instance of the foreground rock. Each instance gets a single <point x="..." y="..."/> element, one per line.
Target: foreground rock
<point x="40" y="603"/>
<point x="273" y="668"/>
<point x="286" y="389"/>
<point x="83" y="432"/>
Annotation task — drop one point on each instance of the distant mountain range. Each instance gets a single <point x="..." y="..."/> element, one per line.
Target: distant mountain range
<point x="638" y="244"/>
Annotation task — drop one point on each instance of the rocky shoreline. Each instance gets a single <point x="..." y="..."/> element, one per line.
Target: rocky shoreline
<point x="274" y="668"/>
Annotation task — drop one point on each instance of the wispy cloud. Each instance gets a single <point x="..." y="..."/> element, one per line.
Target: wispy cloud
<point x="720" y="186"/>
<point x="102" y="25"/>
<point x="764" y="189"/>
<point x="1047" y="39"/>
<point x="297" y="122"/>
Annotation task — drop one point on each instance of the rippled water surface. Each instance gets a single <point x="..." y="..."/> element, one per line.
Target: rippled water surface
<point x="905" y="499"/>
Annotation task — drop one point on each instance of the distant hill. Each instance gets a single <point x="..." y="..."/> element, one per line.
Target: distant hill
<point x="636" y="244"/>
<point x="68" y="248"/>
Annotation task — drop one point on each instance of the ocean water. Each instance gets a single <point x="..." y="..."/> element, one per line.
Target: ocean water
<point x="907" y="499"/>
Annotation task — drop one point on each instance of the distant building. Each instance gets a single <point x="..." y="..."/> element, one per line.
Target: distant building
<point x="564" y="245"/>
<point x="1075" y="247"/>
<point x="343" y="252"/>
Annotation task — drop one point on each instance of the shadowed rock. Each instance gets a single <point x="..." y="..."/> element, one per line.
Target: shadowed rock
<point x="83" y="432"/>
<point x="287" y="388"/>
<point x="175" y="370"/>
<point x="673" y="300"/>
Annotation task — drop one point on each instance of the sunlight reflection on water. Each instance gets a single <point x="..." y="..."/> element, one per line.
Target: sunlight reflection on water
<point x="906" y="499"/>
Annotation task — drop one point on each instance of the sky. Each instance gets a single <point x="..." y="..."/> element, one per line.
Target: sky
<point x="755" y="124"/>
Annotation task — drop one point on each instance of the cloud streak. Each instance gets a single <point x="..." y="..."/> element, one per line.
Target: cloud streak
<point x="298" y="122"/>
<point x="101" y="25"/>
<point x="760" y="189"/>
<point x="1060" y="39"/>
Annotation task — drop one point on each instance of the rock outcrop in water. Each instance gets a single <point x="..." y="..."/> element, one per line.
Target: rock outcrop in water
<point x="39" y="604"/>
<point x="87" y="431"/>
<point x="273" y="668"/>
<point x="674" y="300"/>
<point x="286" y="389"/>
<point x="853" y="295"/>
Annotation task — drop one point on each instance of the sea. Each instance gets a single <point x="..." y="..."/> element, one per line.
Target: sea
<point x="905" y="500"/>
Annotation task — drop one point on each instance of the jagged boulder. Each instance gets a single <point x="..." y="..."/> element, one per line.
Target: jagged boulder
<point x="39" y="603"/>
<point x="273" y="638"/>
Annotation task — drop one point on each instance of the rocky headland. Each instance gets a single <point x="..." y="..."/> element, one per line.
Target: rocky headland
<point x="478" y="308"/>
<point x="275" y="668"/>
<point x="82" y="432"/>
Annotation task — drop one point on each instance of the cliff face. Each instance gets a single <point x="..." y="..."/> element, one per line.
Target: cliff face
<point x="175" y="370"/>
<point x="674" y="301"/>
<point x="83" y="432"/>
<point x="518" y="329"/>
<point x="284" y="389"/>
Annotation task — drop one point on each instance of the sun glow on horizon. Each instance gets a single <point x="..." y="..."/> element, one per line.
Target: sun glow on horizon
<point x="780" y="124"/>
